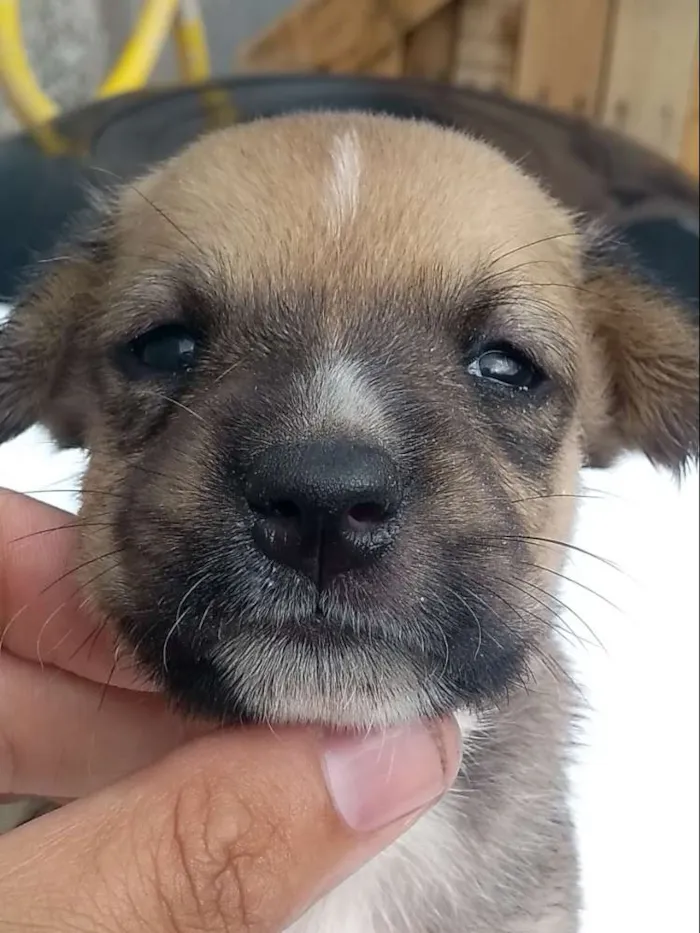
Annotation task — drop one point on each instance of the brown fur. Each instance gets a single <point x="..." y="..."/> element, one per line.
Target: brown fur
<point x="444" y="245"/>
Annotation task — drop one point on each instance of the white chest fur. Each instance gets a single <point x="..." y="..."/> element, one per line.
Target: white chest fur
<point x="415" y="876"/>
<point x="384" y="895"/>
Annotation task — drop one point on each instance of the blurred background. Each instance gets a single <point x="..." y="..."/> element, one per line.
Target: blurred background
<point x="72" y="43"/>
<point x="629" y="64"/>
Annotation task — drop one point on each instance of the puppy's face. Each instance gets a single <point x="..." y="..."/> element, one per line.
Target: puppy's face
<point x="337" y="376"/>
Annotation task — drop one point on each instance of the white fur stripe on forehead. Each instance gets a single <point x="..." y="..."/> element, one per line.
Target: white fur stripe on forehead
<point x="342" y="190"/>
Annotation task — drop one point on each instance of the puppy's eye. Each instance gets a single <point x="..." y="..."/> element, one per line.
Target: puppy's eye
<point x="508" y="366"/>
<point x="168" y="350"/>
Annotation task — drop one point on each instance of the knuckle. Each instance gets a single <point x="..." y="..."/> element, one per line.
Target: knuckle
<point x="220" y="864"/>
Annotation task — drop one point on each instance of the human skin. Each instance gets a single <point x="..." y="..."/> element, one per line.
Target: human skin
<point x="171" y="825"/>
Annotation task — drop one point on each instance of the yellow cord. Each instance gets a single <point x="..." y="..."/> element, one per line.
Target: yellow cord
<point x="191" y="42"/>
<point x="26" y="99"/>
<point x="156" y="20"/>
<point x="142" y="49"/>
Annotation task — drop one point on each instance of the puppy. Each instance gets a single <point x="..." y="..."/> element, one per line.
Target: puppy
<point x="337" y="375"/>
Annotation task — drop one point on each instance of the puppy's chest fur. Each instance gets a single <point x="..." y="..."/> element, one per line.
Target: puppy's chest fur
<point x="410" y="888"/>
<point x="497" y="855"/>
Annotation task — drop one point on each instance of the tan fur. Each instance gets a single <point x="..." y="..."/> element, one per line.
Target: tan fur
<point x="651" y="401"/>
<point x="312" y="262"/>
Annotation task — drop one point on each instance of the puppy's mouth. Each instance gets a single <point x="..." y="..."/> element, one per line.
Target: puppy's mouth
<point x="336" y="668"/>
<point x="304" y="672"/>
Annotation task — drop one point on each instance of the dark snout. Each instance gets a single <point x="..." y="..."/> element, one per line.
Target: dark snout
<point x="325" y="507"/>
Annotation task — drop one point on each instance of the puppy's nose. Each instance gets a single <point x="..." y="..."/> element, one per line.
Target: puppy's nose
<point x="324" y="507"/>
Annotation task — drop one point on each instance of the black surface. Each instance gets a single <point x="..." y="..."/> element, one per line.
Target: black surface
<point x="651" y="204"/>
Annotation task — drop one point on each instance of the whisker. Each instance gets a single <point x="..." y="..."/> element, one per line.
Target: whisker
<point x="500" y="619"/>
<point x="180" y="614"/>
<point x="190" y="411"/>
<point x="147" y="257"/>
<point x="563" y="628"/>
<point x="227" y="371"/>
<point x="573" y="581"/>
<point x="545" y="239"/>
<point x="596" y="640"/>
<point x="593" y="496"/>
<point x="551" y="664"/>
<point x="90" y="640"/>
<point x="67" y="527"/>
<point x="106" y="686"/>
<point x="58" y="609"/>
<point x="202" y="579"/>
<point x="135" y="646"/>
<point x="47" y="260"/>
<point x="203" y="617"/>
<point x="77" y="491"/>
<point x="48" y="587"/>
<point x="167" y="476"/>
<point x="477" y="620"/>
<point x="171" y="632"/>
<point x="152" y="204"/>
<point x="554" y="543"/>
<point x="506" y="286"/>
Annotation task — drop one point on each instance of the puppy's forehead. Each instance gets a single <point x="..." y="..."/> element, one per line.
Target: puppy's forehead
<point x="321" y="191"/>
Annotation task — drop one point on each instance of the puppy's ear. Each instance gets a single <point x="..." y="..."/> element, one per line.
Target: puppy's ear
<point x="41" y="364"/>
<point x="645" y="373"/>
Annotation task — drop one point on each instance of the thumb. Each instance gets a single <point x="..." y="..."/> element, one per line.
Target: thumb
<point x="238" y="831"/>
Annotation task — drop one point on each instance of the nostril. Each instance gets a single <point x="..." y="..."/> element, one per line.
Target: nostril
<point x="366" y="515"/>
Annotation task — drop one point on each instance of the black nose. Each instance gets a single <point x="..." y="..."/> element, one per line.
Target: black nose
<point x="325" y="507"/>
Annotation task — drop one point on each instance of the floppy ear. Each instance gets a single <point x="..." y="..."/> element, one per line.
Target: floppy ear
<point x="646" y="371"/>
<point x="41" y="378"/>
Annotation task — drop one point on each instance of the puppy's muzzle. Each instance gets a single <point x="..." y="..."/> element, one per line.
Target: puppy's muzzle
<point x="325" y="507"/>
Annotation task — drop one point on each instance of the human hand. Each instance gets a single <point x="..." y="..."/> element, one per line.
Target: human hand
<point x="177" y="828"/>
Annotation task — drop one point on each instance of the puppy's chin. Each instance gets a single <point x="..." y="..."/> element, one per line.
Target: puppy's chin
<point x="307" y="673"/>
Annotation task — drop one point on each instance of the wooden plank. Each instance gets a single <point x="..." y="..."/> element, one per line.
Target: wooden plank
<point x="689" y="147"/>
<point x="562" y="52"/>
<point x="488" y="33"/>
<point x="651" y="60"/>
<point x="281" y="49"/>
<point x="336" y="34"/>
<point x="430" y="48"/>
<point x="389" y="64"/>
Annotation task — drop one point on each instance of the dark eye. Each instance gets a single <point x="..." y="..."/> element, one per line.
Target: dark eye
<point x="508" y="366"/>
<point x="168" y="350"/>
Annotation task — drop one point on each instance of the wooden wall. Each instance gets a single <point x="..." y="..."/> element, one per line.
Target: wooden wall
<point x="630" y="64"/>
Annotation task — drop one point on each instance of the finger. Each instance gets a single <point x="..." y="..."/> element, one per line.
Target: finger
<point x="44" y="613"/>
<point x="233" y="833"/>
<point x="62" y="736"/>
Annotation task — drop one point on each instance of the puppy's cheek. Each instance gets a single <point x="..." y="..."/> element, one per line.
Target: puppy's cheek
<point x="567" y="471"/>
<point x="555" y="520"/>
<point x="101" y="569"/>
<point x="96" y="563"/>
